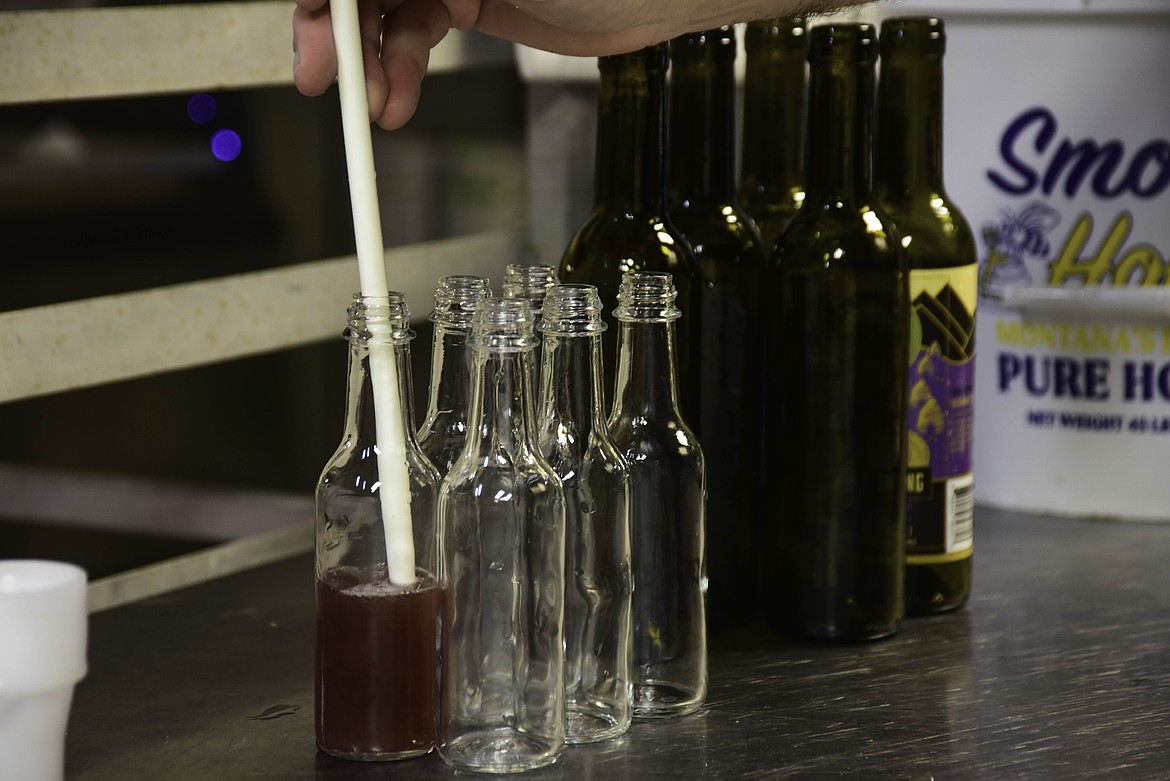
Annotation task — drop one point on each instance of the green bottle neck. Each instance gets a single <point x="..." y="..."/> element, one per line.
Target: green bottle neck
<point x="841" y="95"/>
<point x="909" y="141"/>
<point x="630" y="171"/>
<point x="702" y="118"/>
<point x="773" y="106"/>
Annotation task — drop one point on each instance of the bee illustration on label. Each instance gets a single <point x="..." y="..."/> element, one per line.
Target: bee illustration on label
<point x="1018" y="236"/>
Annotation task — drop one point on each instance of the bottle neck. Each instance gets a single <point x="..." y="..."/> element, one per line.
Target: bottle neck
<point x="501" y="398"/>
<point x="571" y="385"/>
<point x="449" y="388"/>
<point x="702" y="121"/>
<point x="630" y="169"/>
<point x="360" y="410"/>
<point x="773" y="106"/>
<point x="909" y="139"/>
<point x="839" y="125"/>
<point x="647" y="376"/>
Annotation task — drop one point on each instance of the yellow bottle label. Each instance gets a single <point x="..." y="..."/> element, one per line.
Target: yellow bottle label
<point x="939" y="483"/>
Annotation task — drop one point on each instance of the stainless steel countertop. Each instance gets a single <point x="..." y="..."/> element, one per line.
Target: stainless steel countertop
<point x="1058" y="668"/>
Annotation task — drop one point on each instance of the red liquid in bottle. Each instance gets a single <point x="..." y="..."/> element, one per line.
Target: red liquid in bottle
<point x="377" y="666"/>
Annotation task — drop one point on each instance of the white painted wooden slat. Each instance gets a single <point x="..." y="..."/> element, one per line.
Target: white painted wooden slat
<point x="131" y="504"/>
<point x="83" y="343"/>
<point x="102" y="52"/>
<point x="199" y="567"/>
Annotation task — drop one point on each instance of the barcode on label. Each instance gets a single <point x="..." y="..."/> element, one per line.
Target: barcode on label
<point x="960" y="514"/>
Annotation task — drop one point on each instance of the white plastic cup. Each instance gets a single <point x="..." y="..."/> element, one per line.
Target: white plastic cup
<point x="42" y="657"/>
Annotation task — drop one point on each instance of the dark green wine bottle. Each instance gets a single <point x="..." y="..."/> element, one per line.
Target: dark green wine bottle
<point x="838" y="358"/>
<point x="943" y="280"/>
<point x="703" y="204"/>
<point x="628" y="229"/>
<point x="771" y="180"/>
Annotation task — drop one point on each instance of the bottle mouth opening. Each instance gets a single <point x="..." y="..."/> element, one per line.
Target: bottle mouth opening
<point x="530" y="282"/>
<point x="913" y="35"/>
<point x="696" y="45"/>
<point x="456" y="298"/>
<point x="379" y="317"/>
<point x="647" y="297"/>
<point x="849" y="42"/>
<point x="572" y="310"/>
<point x="791" y="34"/>
<point x="503" y="325"/>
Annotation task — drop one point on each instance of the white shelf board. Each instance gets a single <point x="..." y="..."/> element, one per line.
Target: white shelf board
<point x="85" y="53"/>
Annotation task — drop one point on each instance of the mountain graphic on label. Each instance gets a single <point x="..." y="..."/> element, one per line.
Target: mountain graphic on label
<point x="948" y="329"/>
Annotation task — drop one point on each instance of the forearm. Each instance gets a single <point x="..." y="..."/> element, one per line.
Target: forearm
<point x="397" y="35"/>
<point x="576" y="28"/>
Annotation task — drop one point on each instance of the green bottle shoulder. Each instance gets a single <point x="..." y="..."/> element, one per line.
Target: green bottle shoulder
<point x="934" y="232"/>
<point x="620" y="239"/>
<point x="772" y="209"/>
<point x="720" y="233"/>
<point x="858" y="237"/>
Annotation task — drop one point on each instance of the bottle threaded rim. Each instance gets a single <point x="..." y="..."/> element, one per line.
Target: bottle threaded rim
<point x="456" y="297"/>
<point x="530" y="282"/>
<point x="647" y="297"/>
<point x="368" y="316"/>
<point x="503" y="325"/>
<point x="572" y="310"/>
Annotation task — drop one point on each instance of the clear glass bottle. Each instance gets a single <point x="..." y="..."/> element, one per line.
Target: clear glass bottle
<point x="502" y="519"/>
<point x="731" y="261"/>
<point x="771" y="181"/>
<point x="530" y="282"/>
<point x="908" y="174"/>
<point x="376" y="649"/>
<point x="574" y="437"/>
<point x="668" y="504"/>
<point x="629" y="228"/>
<point x="444" y="429"/>
<point x="838" y="361"/>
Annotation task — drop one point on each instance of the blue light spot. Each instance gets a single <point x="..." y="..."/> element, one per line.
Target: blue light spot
<point x="201" y="108"/>
<point x="225" y="145"/>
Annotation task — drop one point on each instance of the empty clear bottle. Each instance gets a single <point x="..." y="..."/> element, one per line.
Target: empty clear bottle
<point x="502" y="519"/>
<point x="668" y="492"/>
<point x="444" y="429"/>
<point x="531" y="283"/>
<point x="376" y="651"/>
<point x="574" y="438"/>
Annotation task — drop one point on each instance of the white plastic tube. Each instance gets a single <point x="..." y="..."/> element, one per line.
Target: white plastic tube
<point x="394" y="480"/>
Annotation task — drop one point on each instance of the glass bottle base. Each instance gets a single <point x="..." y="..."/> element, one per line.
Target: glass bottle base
<point x="382" y="756"/>
<point x="499" y="751"/>
<point x="592" y="723"/>
<point x="653" y="700"/>
<point x="849" y="634"/>
<point x="937" y="588"/>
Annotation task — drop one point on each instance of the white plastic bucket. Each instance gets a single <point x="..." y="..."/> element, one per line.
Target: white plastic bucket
<point x="1057" y="149"/>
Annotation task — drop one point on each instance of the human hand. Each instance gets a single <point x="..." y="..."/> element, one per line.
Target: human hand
<point x="398" y="35"/>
